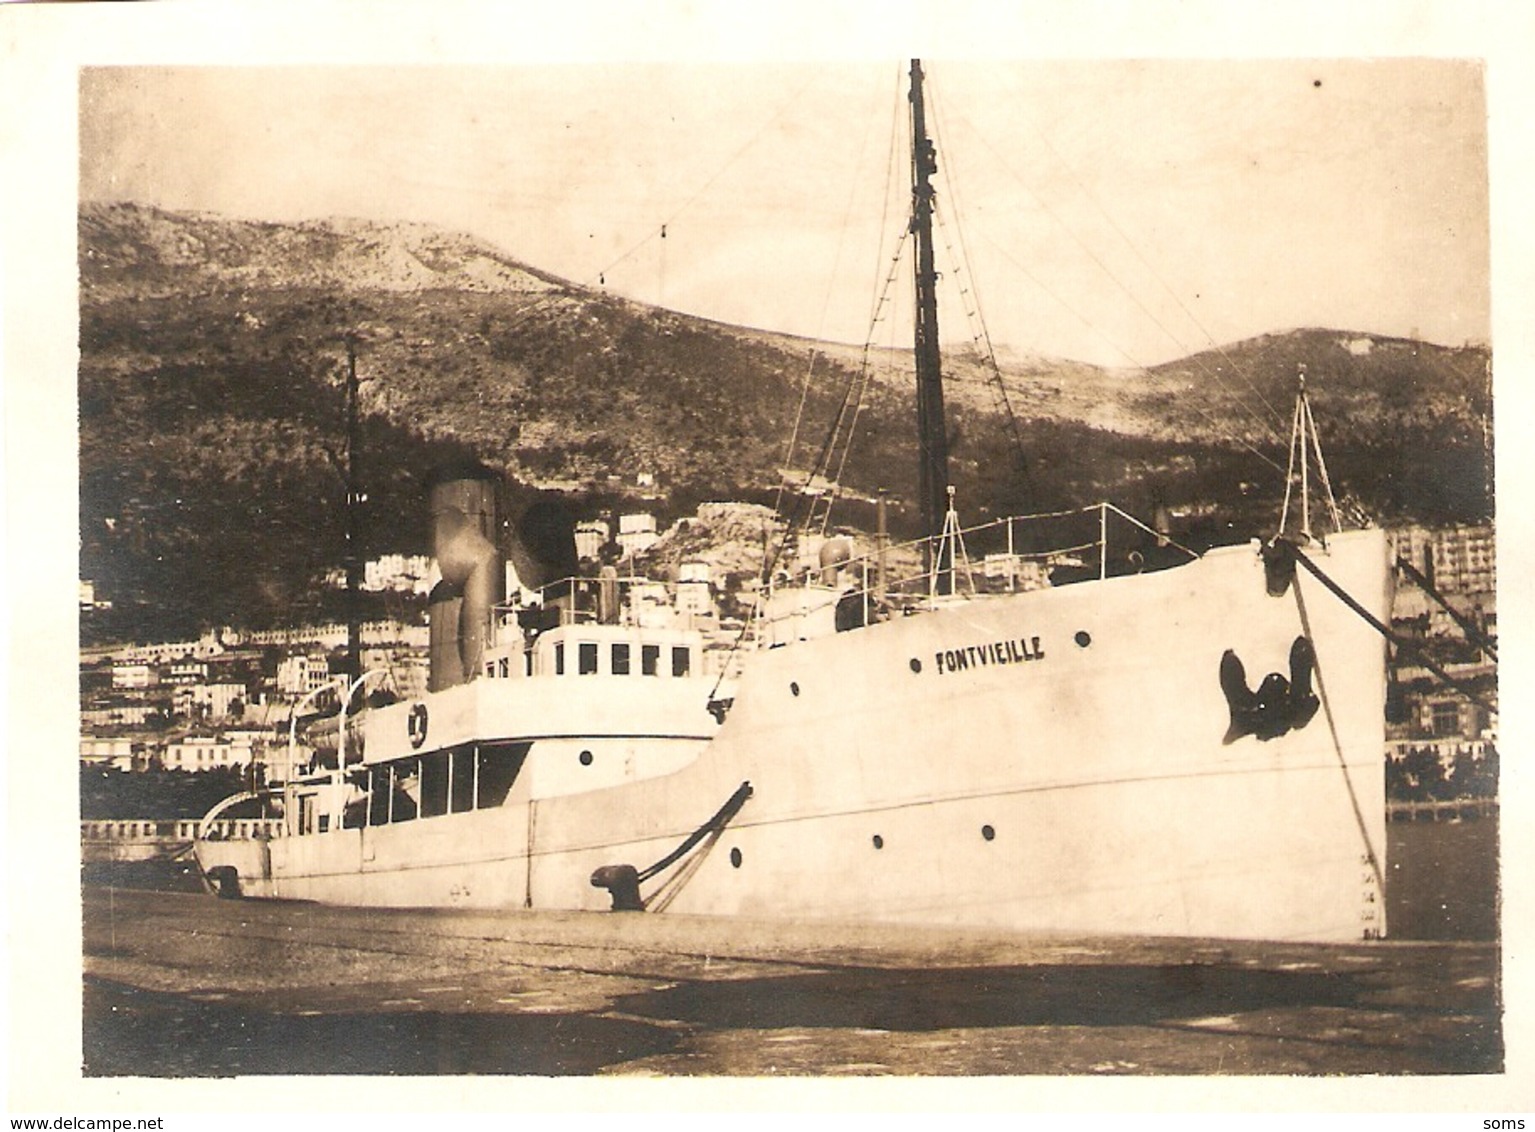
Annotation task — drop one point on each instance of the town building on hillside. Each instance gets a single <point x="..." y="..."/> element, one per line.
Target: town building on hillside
<point x="207" y="753"/>
<point x="116" y="713"/>
<point x="334" y="635"/>
<point x="210" y="701"/>
<point x="209" y="645"/>
<point x="1466" y="560"/>
<point x="591" y="536"/>
<point x="187" y="672"/>
<point x="304" y="673"/>
<point x="404" y="573"/>
<point x="129" y="675"/>
<point x="693" y="589"/>
<point x="1450" y="715"/>
<point x="637" y="533"/>
<point x="121" y="711"/>
<point x="1461" y="564"/>
<point x="117" y="753"/>
<point x="1457" y="560"/>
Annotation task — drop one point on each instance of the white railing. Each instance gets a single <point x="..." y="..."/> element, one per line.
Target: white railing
<point x="941" y="568"/>
<point x="160" y="831"/>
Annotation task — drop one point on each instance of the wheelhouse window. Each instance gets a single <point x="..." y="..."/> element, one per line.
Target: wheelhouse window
<point x="446" y="782"/>
<point x="588" y="657"/>
<point x="354" y="811"/>
<point x="650" y="660"/>
<point x="406" y="796"/>
<point x="620" y="660"/>
<point x="559" y="658"/>
<point x="378" y="795"/>
<point x="498" y="765"/>
<point x="681" y="659"/>
<point x="461" y="778"/>
<point x="434" y="784"/>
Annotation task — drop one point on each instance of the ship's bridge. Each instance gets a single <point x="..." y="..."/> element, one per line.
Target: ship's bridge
<point x="591" y="649"/>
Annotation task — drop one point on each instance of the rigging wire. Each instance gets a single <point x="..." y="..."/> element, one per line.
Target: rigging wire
<point x="867" y="366"/>
<point x="826" y="299"/>
<point x="1218" y="426"/>
<point x="1221" y="428"/>
<point x="885" y="283"/>
<point x="1274" y="416"/>
<point x="980" y="334"/>
<point x="658" y="232"/>
<point x="1266" y="425"/>
<point x="841" y="438"/>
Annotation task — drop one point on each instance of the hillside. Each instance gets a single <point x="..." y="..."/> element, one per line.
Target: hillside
<point x="211" y="409"/>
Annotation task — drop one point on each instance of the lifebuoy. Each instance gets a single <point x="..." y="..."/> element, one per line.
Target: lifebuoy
<point x="415" y="725"/>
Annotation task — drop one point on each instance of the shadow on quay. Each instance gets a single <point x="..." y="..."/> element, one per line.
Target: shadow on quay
<point x="140" y="1033"/>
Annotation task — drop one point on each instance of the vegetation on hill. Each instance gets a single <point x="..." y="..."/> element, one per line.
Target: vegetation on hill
<point x="115" y="795"/>
<point x="211" y="413"/>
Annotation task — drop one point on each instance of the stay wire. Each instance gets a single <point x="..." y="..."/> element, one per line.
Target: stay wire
<point x="1274" y="417"/>
<point x="965" y="278"/>
<point x="658" y="231"/>
<point x="1267" y="425"/>
<point x="826" y="299"/>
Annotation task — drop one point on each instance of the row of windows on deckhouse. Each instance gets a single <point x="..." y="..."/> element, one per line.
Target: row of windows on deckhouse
<point x="620" y="657"/>
<point x="474" y="776"/>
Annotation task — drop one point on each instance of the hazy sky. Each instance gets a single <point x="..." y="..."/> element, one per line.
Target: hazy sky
<point x="1120" y="212"/>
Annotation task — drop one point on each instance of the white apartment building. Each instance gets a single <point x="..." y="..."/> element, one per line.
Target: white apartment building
<point x="203" y="753"/>
<point x="304" y="673"/>
<point x="212" y="700"/>
<point x="134" y="675"/>
<point x="693" y="590"/>
<point x="187" y="672"/>
<point x="408" y="573"/>
<point x="131" y="714"/>
<point x="1460" y="560"/>
<point x="637" y="533"/>
<point x="115" y="753"/>
<point x="591" y="536"/>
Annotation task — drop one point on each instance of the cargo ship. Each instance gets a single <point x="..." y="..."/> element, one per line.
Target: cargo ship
<point x="1187" y="747"/>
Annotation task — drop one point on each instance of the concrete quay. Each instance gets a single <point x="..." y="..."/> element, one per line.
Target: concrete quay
<point x="189" y="986"/>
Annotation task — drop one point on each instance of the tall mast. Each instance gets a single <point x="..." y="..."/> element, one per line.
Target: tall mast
<point x="353" y="561"/>
<point x="932" y="433"/>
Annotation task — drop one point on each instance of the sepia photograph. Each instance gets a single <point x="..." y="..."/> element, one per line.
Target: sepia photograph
<point x="911" y="565"/>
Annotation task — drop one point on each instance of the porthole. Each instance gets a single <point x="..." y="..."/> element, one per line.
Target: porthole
<point x="987" y="832"/>
<point x="879" y="842"/>
<point x="1083" y="638"/>
<point x="916" y="665"/>
<point x="735" y="858"/>
<point x="586" y="758"/>
<point x="793" y="688"/>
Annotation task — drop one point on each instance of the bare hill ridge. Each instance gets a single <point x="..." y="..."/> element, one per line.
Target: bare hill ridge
<point x="135" y="250"/>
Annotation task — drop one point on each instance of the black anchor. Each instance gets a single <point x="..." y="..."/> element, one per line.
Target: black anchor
<point x="1279" y="705"/>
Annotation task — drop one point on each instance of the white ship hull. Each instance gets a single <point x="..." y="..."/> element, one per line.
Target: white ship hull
<point x="1050" y="760"/>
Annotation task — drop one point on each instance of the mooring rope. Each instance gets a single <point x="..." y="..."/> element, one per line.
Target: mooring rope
<point x="1473" y="633"/>
<point x="720" y="819"/>
<point x="1408" y="646"/>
